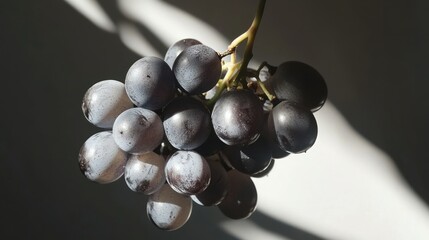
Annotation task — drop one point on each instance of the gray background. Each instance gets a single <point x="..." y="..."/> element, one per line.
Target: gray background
<point x="373" y="54"/>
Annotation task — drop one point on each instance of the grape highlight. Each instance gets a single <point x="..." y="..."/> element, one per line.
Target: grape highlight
<point x="196" y="127"/>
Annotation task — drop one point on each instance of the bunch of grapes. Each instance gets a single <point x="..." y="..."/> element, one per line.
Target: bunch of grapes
<point x="195" y="127"/>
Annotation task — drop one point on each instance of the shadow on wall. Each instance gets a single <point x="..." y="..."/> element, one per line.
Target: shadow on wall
<point x="343" y="188"/>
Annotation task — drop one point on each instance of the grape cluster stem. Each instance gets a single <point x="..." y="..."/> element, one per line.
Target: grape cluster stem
<point x="236" y="71"/>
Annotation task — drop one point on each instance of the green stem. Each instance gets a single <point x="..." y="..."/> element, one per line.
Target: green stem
<point x="265" y="90"/>
<point x="248" y="51"/>
<point x="233" y="77"/>
<point x="222" y="84"/>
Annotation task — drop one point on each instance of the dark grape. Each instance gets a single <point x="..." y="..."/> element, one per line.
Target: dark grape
<point x="241" y="197"/>
<point x="138" y="130"/>
<point x="301" y="83"/>
<point x="100" y="159"/>
<point x="266" y="171"/>
<point x="249" y="159"/>
<point x="104" y="101"/>
<point x="292" y="126"/>
<point x="277" y="152"/>
<point x="150" y="83"/>
<point x="145" y="172"/>
<point x="187" y="172"/>
<point x="186" y="123"/>
<point x="197" y="69"/>
<point x="167" y="209"/>
<point x="175" y="49"/>
<point x="217" y="188"/>
<point x="237" y="117"/>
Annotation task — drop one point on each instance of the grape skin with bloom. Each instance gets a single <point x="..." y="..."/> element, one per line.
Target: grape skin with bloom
<point x="138" y="130"/>
<point x="104" y="101"/>
<point x="101" y="160"/>
<point x="145" y="172"/>
<point x="187" y="172"/>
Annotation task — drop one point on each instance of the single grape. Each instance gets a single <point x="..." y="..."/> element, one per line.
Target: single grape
<point x="138" y="130"/>
<point x="277" y="152"/>
<point x="237" y="117"/>
<point x="145" y="172"/>
<point x="266" y="171"/>
<point x="249" y="159"/>
<point x="187" y="172"/>
<point x="186" y="123"/>
<point x="167" y="209"/>
<point x="216" y="190"/>
<point x="241" y="197"/>
<point x="197" y="69"/>
<point x="175" y="49"/>
<point x="259" y="151"/>
<point x="292" y="126"/>
<point x="299" y="82"/>
<point x="150" y="83"/>
<point x="101" y="160"/>
<point x="104" y="101"/>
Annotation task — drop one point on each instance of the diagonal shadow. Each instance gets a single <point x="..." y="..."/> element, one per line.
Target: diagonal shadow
<point x="112" y="9"/>
<point x="282" y="228"/>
